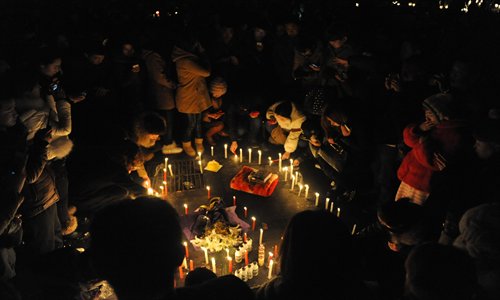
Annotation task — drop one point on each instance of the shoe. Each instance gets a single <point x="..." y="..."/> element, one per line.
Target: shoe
<point x="171" y="149"/>
<point x="70" y="226"/>
<point x="199" y="145"/>
<point x="188" y="148"/>
<point x="72" y="210"/>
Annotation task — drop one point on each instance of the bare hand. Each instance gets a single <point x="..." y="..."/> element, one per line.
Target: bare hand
<point x="331" y="141"/>
<point x="426" y="126"/>
<point x="272" y="121"/>
<point x="314" y="68"/>
<point x="439" y="161"/>
<point x="314" y="141"/>
<point x="342" y="62"/>
<point x="234" y="147"/>
<point x="285" y="156"/>
<point x="254" y="114"/>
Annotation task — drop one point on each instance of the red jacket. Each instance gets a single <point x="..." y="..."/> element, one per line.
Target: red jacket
<point x="417" y="167"/>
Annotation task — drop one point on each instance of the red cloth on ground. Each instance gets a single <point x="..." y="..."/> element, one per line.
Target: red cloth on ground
<point x="240" y="183"/>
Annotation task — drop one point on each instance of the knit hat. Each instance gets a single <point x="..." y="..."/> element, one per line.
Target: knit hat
<point x="439" y="105"/>
<point x="218" y="85"/>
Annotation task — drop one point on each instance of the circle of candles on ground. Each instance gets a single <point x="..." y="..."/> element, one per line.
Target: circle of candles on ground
<point x="270" y="274"/>
<point x="245" y="211"/>
<point x="241" y="155"/>
<point x="261" y="235"/>
<point x="170" y="170"/>
<point x="306" y="186"/>
<point x="208" y="192"/>
<point x="249" y="155"/>
<point x="262" y="254"/>
<point x="253" y="223"/>
<point x="279" y="162"/>
<point x="317" y="199"/>
<point x="246" y="258"/>
<point x="286" y="173"/>
<point x="338" y="212"/>
<point x="326" y="203"/>
<point x="213" y="265"/>
<point x="260" y="157"/>
<point x="191" y="265"/>
<point x="234" y="200"/>
<point x="331" y="207"/>
<point x="186" y="209"/>
<point x="212" y="150"/>
<point x="201" y="167"/>
<point x="300" y="189"/>
<point x="225" y="150"/>
<point x="293" y="183"/>
<point x="186" y="249"/>
<point x="353" y="229"/>
<point x="205" y="250"/>
<point x="230" y="264"/>
<point x="181" y="273"/>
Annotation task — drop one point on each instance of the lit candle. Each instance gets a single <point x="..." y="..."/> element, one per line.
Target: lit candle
<point x="270" y="274"/>
<point x="181" y="273"/>
<point x="151" y="191"/>
<point x="253" y="223"/>
<point x="165" y="188"/>
<point x="166" y="162"/>
<point x="184" y="263"/>
<point x="199" y="156"/>
<point x="300" y="189"/>
<point x="234" y="200"/>
<point x="286" y="173"/>
<point x="185" y="209"/>
<point x="291" y="167"/>
<point x="296" y="177"/>
<point x="353" y="229"/>
<point x="230" y="264"/>
<point x="275" y="250"/>
<point x="331" y="207"/>
<point x="261" y="236"/>
<point x="260" y="157"/>
<point x="270" y="256"/>
<point x="236" y="158"/>
<point x="212" y="150"/>
<point x="208" y="192"/>
<point x="186" y="249"/>
<point x="249" y="155"/>
<point x="326" y="203"/>
<point x="338" y="212"/>
<point x="279" y="162"/>
<point x="206" y="254"/>
<point x="270" y="160"/>
<point x="170" y="170"/>
<point x="241" y="155"/>
<point x="293" y="183"/>
<point x="165" y="174"/>
<point x="201" y="167"/>
<point x="307" y="191"/>
<point x="227" y="251"/>
<point x="246" y="258"/>
<point x="191" y="265"/>
<point x="162" y="190"/>
<point x="225" y="150"/>
<point x="317" y="199"/>
<point x="245" y="237"/>
<point x="213" y="265"/>
<point x="245" y="209"/>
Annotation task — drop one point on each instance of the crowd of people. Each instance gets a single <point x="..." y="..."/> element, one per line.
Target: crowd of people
<point x="405" y="116"/>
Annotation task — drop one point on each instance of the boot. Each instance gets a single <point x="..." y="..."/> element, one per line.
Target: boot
<point x="188" y="149"/>
<point x="199" y="145"/>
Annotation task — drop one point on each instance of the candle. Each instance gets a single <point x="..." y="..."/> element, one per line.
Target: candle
<point x="225" y="150"/>
<point x="165" y="188"/>
<point x="317" y="199"/>
<point x="307" y="191"/>
<point x="227" y="252"/>
<point x="199" y="156"/>
<point x="241" y="155"/>
<point x="212" y="150"/>
<point x="291" y="167"/>
<point x="184" y="263"/>
<point x="338" y="212"/>
<point x="186" y="209"/>
<point x="186" y="249"/>
<point x="206" y="254"/>
<point x="245" y="237"/>
<point x="151" y="191"/>
<point x="353" y="229"/>
<point x="234" y="200"/>
<point x="170" y="170"/>
<point x="260" y="157"/>
<point x="296" y="177"/>
<point x="279" y="162"/>
<point x="293" y="183"/>
<point x="246" y="258"/>
<point x="230" y="264"/>
<point x="245" y="209"/>
<point x="261" y="235"/>
<point x="331" y="207"/>
<point x="213" y="265"/>
<point x="201" y="167"/>
<point x="208" y="192"/>
<point x="275" y="250"/>
<point x="166" y="162"/>
<point x="236" y="158"/>
<point x="300" y="189"/>
<point x="253" y="223"/>
<point x="270" y="256"/>
<point x="181" y="273"/>
<point x="249" y="155"/>
<point x="191" y="265"/>
<point x="162" y="190"/>
<point x="286" y="173"/>
<point x="326" y="203"/>
<point x="270" y="160"/>
<point x="270" y="274"/>
<point x="165" y="174"/>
